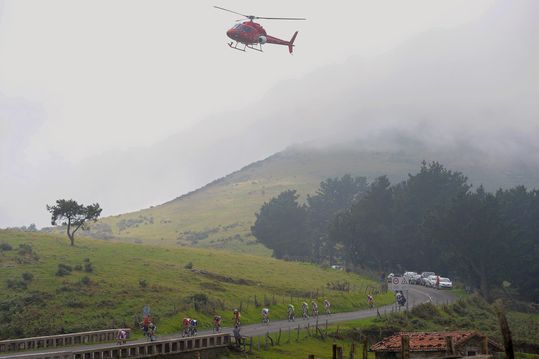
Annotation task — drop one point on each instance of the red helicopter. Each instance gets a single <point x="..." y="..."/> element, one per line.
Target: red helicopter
<point x="253" y="35"/>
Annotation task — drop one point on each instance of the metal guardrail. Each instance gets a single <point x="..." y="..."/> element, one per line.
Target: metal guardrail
<point x="157" y="348"/>
<point x="61" y="340"/>
<point x="139" y="350"/>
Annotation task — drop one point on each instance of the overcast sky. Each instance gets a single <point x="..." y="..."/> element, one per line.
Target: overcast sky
<point x="128" y="102"/>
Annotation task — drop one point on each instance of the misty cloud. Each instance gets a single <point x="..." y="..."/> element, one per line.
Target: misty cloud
<point x="470" y="87"/>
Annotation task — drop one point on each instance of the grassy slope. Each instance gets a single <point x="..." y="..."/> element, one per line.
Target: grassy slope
<point x="114" y="296"/>
<point x="220" y="214"/>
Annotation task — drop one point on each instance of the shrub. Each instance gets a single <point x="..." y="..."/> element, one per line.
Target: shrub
<point x="16" y="284"/>
<point x="63" y="270"/>
<point x="74" y="303"/>
<point x="27" y="277"/>
<point x="85" y="281"/>
<point x="142" y="283"/>
<point x="78" y="267"/>
<point x="87" y="260"/>
<point x="425" y="311"/>
<point x="5" y="247"/>
<point x="88" y="267"/>
<point x="343" y="286"/>
<point x="189" y="265"/>
<point x="25" y="249"/>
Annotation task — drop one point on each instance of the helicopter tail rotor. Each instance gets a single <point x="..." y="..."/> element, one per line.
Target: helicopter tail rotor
<point x="291" y="43"/>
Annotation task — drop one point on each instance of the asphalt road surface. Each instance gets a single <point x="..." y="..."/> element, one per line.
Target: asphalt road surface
<point x="416" y="295"/>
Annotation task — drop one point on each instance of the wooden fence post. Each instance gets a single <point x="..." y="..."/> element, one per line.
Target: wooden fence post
<point x="365" y="347"/>
<point x="334" y="351"/>
<point x="339" y="353"/>
<point x="450" y="346"/>
<point x="405" y="347"/>
<point x="484" y="346"/>
<point x="352" y="350"/>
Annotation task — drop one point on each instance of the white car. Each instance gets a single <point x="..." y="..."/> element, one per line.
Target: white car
<point x="431" y="281"/>
<point x="410" y="277"/>
<point x="445" y="283"/>
<point x="424" y="278"/>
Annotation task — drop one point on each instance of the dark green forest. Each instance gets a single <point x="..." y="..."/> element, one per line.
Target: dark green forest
<point x="434" y="220"/>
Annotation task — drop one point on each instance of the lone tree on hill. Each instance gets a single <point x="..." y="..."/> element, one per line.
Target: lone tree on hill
<point x="73" y="215"/>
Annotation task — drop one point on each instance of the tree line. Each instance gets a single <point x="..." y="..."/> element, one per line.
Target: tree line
<point x="434" y="220"/>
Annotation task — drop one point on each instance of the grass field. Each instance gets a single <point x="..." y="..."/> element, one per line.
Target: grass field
<point x="302" y="348"/>
<point x="220" y="214"/>
<point x="124" y="277"/>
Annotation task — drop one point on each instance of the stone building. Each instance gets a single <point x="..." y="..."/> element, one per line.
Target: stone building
<point x="421" y="345"/>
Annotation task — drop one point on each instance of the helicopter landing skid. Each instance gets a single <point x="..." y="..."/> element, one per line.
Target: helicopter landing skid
<point x="235" y="47"/>
<point x="259" y="48"/>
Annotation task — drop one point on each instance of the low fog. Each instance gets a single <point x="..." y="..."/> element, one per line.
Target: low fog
<point x="472" y="88"/>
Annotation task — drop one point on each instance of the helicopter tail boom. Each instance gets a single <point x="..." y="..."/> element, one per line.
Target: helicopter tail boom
<point x="290" y="44"/>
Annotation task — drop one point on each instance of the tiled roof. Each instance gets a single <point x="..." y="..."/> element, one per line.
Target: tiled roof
<point x="420" y="341"/>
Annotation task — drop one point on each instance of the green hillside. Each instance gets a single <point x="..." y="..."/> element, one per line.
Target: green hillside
<point x="109" y="284"/>
<point x="220" y="214"/>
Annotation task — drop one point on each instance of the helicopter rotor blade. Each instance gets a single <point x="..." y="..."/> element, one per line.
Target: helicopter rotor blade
<point x="234" y="12"/>
<point x="280" y="18"/>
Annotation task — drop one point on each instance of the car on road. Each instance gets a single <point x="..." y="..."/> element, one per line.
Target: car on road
<point x="423" y="280"/>
<point x="416" y="279"/>
<point x="410" y="277"/>
<point x="431" y="281"/>
<point x="445" y="283"/>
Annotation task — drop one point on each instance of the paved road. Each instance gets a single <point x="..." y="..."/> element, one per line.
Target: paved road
<point x="416" y="295"/>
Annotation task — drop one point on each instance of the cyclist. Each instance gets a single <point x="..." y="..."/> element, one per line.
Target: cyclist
<point x="152" y="328"/>
<point x="193" y="324"/>
<point x="145" y="324"/>
<point x="236" y="318"/>
<point x="217" y="324"/>
<point x="121" y="337"/>
<point x="186" y="322"/>
<point x="314" y="309"/>
<point x="401" y="300"/>
<point x="305" y="310"/>
<point x="327" y="306"/>
<point x="370" y="301"/>
<point x="265" y="316"/>
<point x="291" y="315"/>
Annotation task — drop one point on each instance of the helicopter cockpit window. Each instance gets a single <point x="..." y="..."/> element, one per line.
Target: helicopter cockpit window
<point x="246" y="28"/>
<point x="237" y="26"/>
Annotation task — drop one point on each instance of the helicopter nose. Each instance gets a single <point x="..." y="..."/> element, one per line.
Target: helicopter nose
<point x="231" y="33"/>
